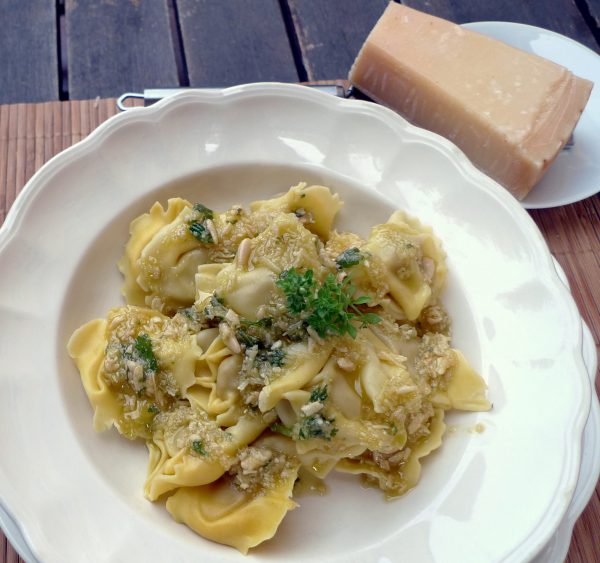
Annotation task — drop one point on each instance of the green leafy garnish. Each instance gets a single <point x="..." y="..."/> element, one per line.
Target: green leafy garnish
<point x="247" y="339"/>
<point x="329" y="309"/>
<point x="275" y="358"/>
<point x="319" y="394"/>
<point x="203" y="211"/>
<point x="153" y="409"/>
<point x="316" y="426"/>
<point x="267" y="322"/>
<point x="143" y="353"/>
<point x="348" y="258"/>
<point x="259" y="335"/>
<point x="253" y="333"/>
<point x="215" y="308"/>
<point x="298" y="288"/>
<point x="200" y="232"/>
<point x="334" y="309"/>
<point x="198" y="226"/>
<point x="198" y="447"/>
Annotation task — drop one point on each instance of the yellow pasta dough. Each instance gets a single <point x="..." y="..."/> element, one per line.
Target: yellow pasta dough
<point x="260" y="350"/>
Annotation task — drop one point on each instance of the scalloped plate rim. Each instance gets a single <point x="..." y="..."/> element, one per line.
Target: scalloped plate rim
<point x="10" y="229"/>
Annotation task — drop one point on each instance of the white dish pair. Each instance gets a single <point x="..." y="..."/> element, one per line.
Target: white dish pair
<point x="510" y="493"/>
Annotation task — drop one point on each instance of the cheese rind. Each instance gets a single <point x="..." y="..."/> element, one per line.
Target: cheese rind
<point x="510" y="112"/>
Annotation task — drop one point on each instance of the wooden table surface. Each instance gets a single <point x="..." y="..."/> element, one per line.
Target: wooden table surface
<point x="61" y="50"/>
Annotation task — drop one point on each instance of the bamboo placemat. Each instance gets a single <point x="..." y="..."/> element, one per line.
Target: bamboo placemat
<point x="30" y="134"/>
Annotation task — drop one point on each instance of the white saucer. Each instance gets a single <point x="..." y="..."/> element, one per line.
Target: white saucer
<point x="575" y="175"/>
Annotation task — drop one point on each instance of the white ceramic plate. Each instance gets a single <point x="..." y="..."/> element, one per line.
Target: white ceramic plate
<point x="77" y="495"/>
<point x="575" y="174"/>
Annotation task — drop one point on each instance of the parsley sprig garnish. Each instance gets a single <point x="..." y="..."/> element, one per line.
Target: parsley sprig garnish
<point x="329" y="309"/>
<point x="299" y="289"/>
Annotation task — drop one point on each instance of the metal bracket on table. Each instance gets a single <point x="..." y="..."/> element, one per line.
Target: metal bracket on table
<point x="153" y="95"/>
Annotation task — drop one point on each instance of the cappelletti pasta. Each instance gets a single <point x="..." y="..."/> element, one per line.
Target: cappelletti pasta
<point x="259" y="350"/>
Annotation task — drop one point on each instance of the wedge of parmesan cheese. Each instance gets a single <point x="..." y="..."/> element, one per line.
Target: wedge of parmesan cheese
<point x="510" y="112"/>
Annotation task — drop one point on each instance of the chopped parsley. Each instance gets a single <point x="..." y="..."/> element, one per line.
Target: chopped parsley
<point x="273" y="357"/>
<point x="246" y="339"/>
<point x="198" y="447"/>
<point x="143" y="353"/>
<point x="253" y="333"/>
<point x="258" y="333"/>
<point x="318" y="395"/>
<point x="349" y="258"/>
<point x="316" y="426"/>
<point x="198" y="226"/>
<point x="313" y="426"/>
<point x="203" y="211"/>
<point x="153" y="409"/>
<point x="330" y="309"/>
<point x="200" y="232"/>
<point x="215" y="308"/>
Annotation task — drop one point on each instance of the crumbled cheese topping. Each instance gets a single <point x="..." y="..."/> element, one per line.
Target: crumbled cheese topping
<point x="184" y="427"/>
<point x="259" y="469"/>
<point x="433" y="361"/>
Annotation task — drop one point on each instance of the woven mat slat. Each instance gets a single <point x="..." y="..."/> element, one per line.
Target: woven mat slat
<point x="31" y="134"/>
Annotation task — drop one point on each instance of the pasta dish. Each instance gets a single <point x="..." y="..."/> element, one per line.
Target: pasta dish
<point x="259" y="350"/>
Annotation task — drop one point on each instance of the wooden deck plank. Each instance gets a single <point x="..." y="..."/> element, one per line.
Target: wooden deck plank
<point x="331" y="33"/>
<point x="116" y="46"/>
<point x="556" y="15"/>
<point x="28" y="51"/>
<point x="234" y="42"/>
<point x="591" y="11"/>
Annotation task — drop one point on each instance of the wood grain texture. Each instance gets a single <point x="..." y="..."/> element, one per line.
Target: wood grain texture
<point x="115" y="46"/>
<point x="590" y="9"/>
<point x="331" y="33"/>
<point x="30" y="134"/>
<point x="573" y="234"/>
<point x="28" y="51"/>
<point x="7" y="552"/>
<point x="234" y="42"/>
<point x="562" y="16"/>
